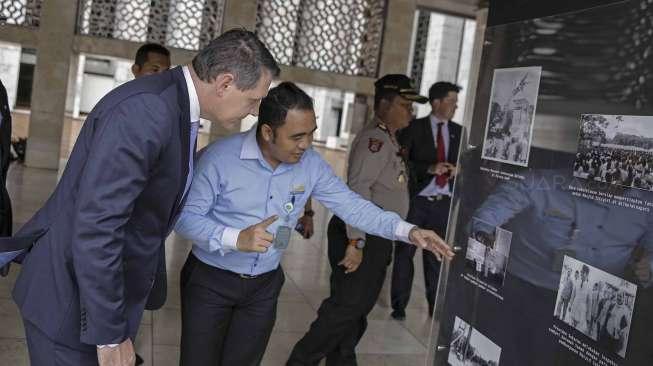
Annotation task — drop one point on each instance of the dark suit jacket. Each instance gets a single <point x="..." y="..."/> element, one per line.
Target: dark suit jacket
<point x="417" y="140"/>
<point x="100" y="234"/>
<point x="5" y="148"/>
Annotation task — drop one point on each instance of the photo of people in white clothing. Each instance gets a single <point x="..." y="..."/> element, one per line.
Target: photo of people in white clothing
<point x="596" y="303"/>
<point x="488" y="249"/>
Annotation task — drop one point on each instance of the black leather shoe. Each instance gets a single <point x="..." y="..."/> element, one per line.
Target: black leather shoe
<point x="398" y="315"/>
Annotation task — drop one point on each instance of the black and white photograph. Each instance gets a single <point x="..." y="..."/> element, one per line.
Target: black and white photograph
<point x="616" y="149"/>
<point x="511" y="113"/>
<point x="596" y="303"/>
<point x="471" y="348"/>
<point x="488" y="249"/>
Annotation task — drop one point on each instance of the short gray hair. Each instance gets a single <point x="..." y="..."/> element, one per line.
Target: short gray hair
<point x="239" y="52"/>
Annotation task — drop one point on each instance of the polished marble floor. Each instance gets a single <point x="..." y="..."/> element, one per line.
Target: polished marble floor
<point x="386" y="342"/>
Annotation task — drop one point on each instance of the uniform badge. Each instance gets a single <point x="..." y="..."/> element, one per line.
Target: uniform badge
<point x="298" y="189"/>
<point x="374" y="145"/>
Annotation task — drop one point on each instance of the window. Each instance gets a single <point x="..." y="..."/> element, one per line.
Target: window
<point x="442" y="51"/>
<point x="25" y="78"/>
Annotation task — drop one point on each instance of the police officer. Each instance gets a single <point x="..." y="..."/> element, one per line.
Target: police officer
<point x="431" y="144"/>
<point x="358" y="261"/>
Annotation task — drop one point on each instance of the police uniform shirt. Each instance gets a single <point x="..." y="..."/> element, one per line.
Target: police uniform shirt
<point x="377" y="171"/>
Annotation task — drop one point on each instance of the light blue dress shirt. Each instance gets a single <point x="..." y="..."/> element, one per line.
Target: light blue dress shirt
<point x="234" y="187"/>
<point x="432" y="189"/>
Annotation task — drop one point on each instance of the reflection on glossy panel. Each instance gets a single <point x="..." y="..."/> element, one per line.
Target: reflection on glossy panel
<point x="581" y="203"/>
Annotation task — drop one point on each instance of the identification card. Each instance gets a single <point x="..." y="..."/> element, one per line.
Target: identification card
<point x="282" y="237"/>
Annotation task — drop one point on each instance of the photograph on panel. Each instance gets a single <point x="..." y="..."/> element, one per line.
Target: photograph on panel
<point x="596" y="303"/>
<point x="488" y="249"/>
<point x="469" y="347"/>
<point x="616" y="149"/>
<point x="509" y="128"/>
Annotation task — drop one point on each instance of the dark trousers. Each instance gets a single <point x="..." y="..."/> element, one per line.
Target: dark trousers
<point x="45" y="352"/>
<point x="426" y="214"/>
<point x="226" y="319"/>
<point x="342" y="317"/>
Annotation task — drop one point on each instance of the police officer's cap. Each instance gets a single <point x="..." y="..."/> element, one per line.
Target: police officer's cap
<point x="400" y="84"/>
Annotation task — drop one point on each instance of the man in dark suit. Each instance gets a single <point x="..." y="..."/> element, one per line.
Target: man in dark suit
<point x="96" y="242"/>
<point x="153" y="58"/>
<point x="431" y="147"/>
<point x="5" y="148"/>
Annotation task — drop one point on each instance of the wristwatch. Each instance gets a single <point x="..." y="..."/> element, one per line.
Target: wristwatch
<point x="309" y="213"/>
<point x="357" y="243"/>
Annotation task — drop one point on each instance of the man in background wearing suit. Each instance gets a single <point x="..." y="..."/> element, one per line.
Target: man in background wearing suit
<point x="84" y="283"/>
<point x="431" y="147"/>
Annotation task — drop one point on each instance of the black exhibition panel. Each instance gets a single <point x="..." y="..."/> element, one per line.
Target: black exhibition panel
<point x="552" y="209"/>
<point x="509" y="11"/>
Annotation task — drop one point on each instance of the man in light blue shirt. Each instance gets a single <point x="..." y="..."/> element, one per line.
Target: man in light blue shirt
<point x="246" y="187"/>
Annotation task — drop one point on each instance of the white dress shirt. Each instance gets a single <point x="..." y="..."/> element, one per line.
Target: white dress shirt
<point x="432" y="189"/>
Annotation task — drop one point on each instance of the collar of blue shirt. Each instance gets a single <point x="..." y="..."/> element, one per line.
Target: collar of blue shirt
<point x="252" y="151"/>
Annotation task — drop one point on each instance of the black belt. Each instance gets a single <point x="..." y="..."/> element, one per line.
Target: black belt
<point x="437" y="197"/>
<point x="244" y="276"/>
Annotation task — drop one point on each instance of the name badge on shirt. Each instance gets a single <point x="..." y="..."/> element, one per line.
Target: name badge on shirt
<point x="298" y="189"/>
<point x="282" y="237"/>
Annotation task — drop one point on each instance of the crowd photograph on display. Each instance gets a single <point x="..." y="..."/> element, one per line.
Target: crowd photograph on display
<point x="596" y="303"/>
<point x="616" y="149"/>
<point x="511" y="114"/>
<point x="488" y="248"/>
<point x="471" y="348"/>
